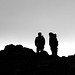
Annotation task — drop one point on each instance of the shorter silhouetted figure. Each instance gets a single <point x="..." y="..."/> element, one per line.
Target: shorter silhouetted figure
<point x="53" y="43"/>
<point x="39" y="42"/>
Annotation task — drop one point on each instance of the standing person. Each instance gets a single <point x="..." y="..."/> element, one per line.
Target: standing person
<point x="39" y="42"/>
<point x="53" y="43"/>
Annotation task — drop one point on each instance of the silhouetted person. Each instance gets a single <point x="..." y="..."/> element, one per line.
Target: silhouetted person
<point x="53" y="43"/>
<point x="39" y="42"/>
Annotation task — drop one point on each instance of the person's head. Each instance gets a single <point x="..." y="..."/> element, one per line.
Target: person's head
<point x="39" y="34"/>
<point x="50" y="34"/>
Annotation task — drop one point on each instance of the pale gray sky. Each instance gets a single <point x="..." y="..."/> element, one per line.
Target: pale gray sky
<point x="21" y="20"/>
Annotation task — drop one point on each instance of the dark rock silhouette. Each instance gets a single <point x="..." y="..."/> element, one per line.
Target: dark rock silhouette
<point x="28" y="52"/>
<point x="17" y="51"/>
<point x="53" y="43"/>
<point x="19" y="48"/>
<point x="39" y="42"/>
<point x="9" y="48"/>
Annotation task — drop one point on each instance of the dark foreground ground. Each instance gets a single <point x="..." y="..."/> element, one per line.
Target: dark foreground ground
<point x="18" y="60"/>
<point x="37" y="65"/>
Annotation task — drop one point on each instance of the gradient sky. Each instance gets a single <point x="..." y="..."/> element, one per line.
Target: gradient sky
<point x="21" y="20"/>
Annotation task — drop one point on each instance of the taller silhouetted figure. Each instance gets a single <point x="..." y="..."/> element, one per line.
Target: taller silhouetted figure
<point x="53" y="43"/>
<point x="39" y="42"/>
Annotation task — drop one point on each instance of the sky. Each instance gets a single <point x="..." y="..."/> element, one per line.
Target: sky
<point x="21" y="20"/>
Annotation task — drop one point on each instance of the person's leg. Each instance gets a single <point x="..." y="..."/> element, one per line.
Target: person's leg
<point x="55" y="51"/>
<point x="52" y="50"/>
<point x="37" y="50"/>
<point x="42" y="48"/>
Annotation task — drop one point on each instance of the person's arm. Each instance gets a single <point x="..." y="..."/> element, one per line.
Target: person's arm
<point x="36" y="41"/>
